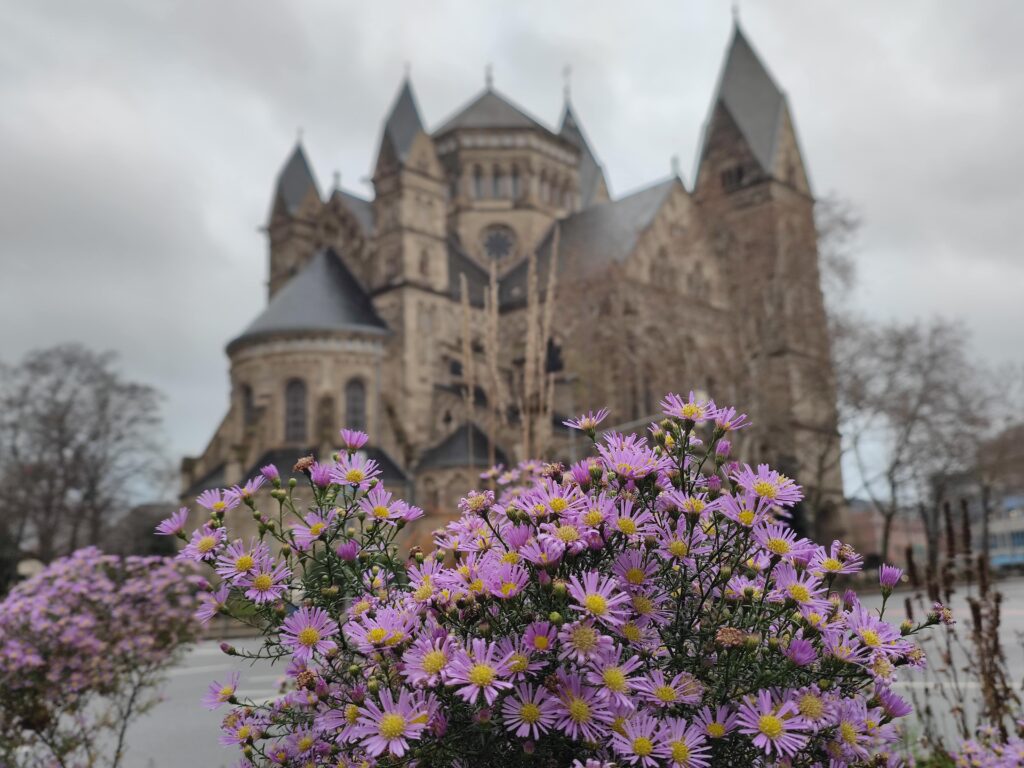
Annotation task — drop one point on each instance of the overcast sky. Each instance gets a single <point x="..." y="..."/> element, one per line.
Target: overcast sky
<point x="139" y="141"/>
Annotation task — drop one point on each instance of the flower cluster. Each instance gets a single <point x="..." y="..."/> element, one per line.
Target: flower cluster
<point x="647" y="606"/>
<point x="991" y="751"/>
<point x="81" y="645"/>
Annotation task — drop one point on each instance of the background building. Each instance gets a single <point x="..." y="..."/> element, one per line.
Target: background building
<point x="493" y="287"/>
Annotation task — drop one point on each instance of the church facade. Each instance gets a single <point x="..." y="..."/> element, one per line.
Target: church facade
<point x="493" y="287"/>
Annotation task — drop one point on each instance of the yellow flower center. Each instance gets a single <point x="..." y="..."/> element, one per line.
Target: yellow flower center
<point x="262" y="583"/>
<point x="244" y="564"/>
<point x="811" y="706"/>
<point x="619" y="725"/>
<point x="354" y="476"/>
<point x="529" y="713"/>
<point x="746" y="517"/>
<point x="596" y="604"/>
<point x="624" y="468"/>
<point x="766" y="489"/>
<point x="799" y="592"/>
<point x="642" y="604"/>
<point x="579" y="710"/>
<point x="642" y="746"/>
<point x="558" y="505"/>
<point x="219" y="506"/>
<point x="870" y="638"/>
<point x="244" y="732"/>
<point x="476" y="585"/>
<point x="434" y="661"/>
<point x="391" y="726"/>
<point x="631" y="632"/>
<point x="226" y="692"/>
<point x="778" y="546"/>
<point x="848" y="732"/>
<point x="679" y="548"/>
<point x="305" y="743"/>
<point x="508" y="588"/>
<point x="351" y="714"/>
<point x="692" y="411"/>
<point x="377" y="635"/>
<point x="695" y="506"/>
<point x="206" y="543"/>
<point x="512" y="558"/>
<point x="518" y="662"/>
<point x="380" y="512"/>
<point x="593" y="517"/>
<point x="567" y="533"/>
<point x="831" y="564"/>
<point x="482" y="675"/>
<point x="614" y="679"/>
<point x="584" y="638"/>
<point x="770" y="726"/>
<point x="680" y="752"/>
<point x="635" y="576"/>
<point x="627" y="526"/>
<point x="316" y="529"/>
<point x="423" y="591"/>
<point x="665" y="693"/>
<point x="541" y="642"/>
<point x="715" y="730"/>
<point x="309" y="637"/>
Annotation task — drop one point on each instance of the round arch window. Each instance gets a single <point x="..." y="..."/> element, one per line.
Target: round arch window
<point x="499" y="242"/>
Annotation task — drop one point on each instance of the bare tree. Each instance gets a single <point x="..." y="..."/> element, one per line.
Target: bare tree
<point x="77" y="442"/>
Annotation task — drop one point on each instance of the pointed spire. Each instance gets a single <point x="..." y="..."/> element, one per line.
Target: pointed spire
<point x="591" y="174"/>
<point x="489" y="77"/>
<point x="752" y="98"/>
<point x="294" y="183"/>
<point x="403" y="122"/>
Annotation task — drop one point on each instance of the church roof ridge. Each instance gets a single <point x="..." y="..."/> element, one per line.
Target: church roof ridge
<point x="323" y="297"/>
<point x="491" y="109"/>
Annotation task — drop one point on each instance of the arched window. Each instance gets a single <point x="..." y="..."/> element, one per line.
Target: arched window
<point x="355" y="405"/>
<point x="515" y="183"/>
<point x="248" y="406"/>
<point x="478" y="182"/>
<point x="497" y="182"/>
<point x="295" y="411"/>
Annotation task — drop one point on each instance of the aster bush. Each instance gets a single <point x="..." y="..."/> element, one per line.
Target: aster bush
<point x="83" y="645"/>
<point x="648" y="606"/>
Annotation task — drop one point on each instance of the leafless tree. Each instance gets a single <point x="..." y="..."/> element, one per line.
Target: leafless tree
<point x="77" y="443"/>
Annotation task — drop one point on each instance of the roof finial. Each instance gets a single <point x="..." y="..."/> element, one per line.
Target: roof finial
<point x="736" y="12"/>
<point x="298" y="135"/>
<point x="337" y="180"/>
<point x="489" y="76"/>
<point x="566" y="80"/>
<point x="675" y="166"/>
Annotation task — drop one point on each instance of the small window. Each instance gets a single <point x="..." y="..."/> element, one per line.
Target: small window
<point x="295" y="411"/>
<point x="515" y="183"/>
<point x="355" y="405"/>
<point x="732" y="178"/>
<point x="478" y="182"/>
<point x="497" y="183"/>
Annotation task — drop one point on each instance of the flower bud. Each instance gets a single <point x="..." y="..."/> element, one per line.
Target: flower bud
<point x="227" y="649"/>
<point x="556" y="618"/>
<point x="559" y="589"/>
<point x="373" y="685"/>
<point x="292" y="482"/>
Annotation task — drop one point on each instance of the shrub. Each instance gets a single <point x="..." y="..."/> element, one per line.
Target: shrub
<point x="648" y="606"/>
<point x="82" y="647"/>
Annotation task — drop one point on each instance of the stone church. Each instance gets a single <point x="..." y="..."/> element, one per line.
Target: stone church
<point x="493" y="287"/>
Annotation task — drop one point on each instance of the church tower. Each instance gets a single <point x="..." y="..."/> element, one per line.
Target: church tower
<point x="292" y="223"/>
<point x="753" y="191"/>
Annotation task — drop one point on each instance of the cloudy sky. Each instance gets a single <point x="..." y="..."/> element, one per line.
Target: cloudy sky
<point x="139" y="141"/>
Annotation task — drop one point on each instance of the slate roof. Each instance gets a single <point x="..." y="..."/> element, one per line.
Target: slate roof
<point x="293" y="183"/>
<point x="323" y="297"/>
<point x="477" y="278"/>
<point x="591" y="239"/>
<point x="360" y="208"/>
<point x="752" y="98"/>
<point x="403" y="123"/>
<point x="590" y="170"/>
<point x="453" y="451"/>
<point x="491" y="110"/>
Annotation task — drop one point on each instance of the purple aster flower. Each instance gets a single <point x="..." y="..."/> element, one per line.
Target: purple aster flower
<point x="801" y="588"/>
<point x="218" y="694"/>
<point x="942" y="614"/>
<point x="692" y="409"/>
<point x="353" y="439"/>
<point x="633" y="570"/>
<point x="174" y="524"/>
<point x="211" y="603"/>
<point x="270" y="473"/>
<point x="217" y="500"/>
<point x="637" y="743"/>
<point x="315" y="525"/>
<point x="321" y="475"/>
<point x="479" y="672"/>
<point x="634" y="523"/>
<point x="247" y="491"/>
<point x="773" y="728"/>
<point x="582" y="712"/>
<point x="600" y="598"/>
<point x="684" y="688"/>
<point x="851" y="729"/>
<point x="581" y="641"/>
<point x="769" y="484"/>
<point x="747" y="508"/>
<point x="892" y="703"/>
<point x="782" y="541"/>
<point x="391" y="725"/>
<point x="687" y="745"/>
<point x="348" y="550"/>
<point x="236" y="561"/>
<point x="874" y="633"/>
<point x="378" y="506"/>
<point x="587" y="422"/>
<point x="800" y="651"/>
<point x="889" y="576"/>
<point x="239" y="728"/>
<point x="505" y="580"/>
<point x="355" y="470"/>
<point x="529" y="711"/>
<point x="267" y="581"/>
<point x="540" y="636"/>
<point x="426" y="661"/>
<point x="728" y="420"/>
<point x="839" y="558"/>
<point x="632" y="461"/>
<point x="611" y="675"/>
<point x="544" y="552"/>
<point x="204" y="544"/>
<point x="308" y="630"/>
<point x="717" y="722"/>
